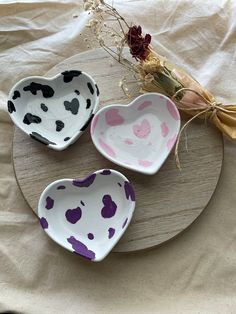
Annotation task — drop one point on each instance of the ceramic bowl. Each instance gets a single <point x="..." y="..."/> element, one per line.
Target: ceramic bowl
<point x="88" y="216"/>
<point x="54" y="111"/>
<point x="138" y="136"/>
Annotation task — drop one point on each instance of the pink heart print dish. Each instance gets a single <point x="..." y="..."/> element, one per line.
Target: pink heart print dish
<point x="138" y="136"/>
<point x="143" y="129"/>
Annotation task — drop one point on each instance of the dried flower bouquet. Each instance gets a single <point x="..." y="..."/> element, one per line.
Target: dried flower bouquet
<point x="154" y="73"/>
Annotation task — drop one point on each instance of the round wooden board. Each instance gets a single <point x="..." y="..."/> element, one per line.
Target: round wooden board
<point x="167" y="202"/>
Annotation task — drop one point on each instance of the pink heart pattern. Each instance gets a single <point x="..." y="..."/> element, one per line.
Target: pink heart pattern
<point x="164" y="129"/>
<point x="172" y="110"/>
<point x="107" y="148"/>
<point x="145" y="163"/>
<point x="113" y="117"/>
<point x="144" y="105"/>
<point x="143" y="129"/>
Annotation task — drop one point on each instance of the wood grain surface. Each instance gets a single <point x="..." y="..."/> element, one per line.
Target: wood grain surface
<point x="167" y="203"/>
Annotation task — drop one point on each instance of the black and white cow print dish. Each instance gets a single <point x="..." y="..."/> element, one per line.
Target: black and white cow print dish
<point x="54" y="111"/>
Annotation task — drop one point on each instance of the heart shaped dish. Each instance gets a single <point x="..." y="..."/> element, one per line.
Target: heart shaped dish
<point x="54" y="111"/>
<point x="138" y="136"/>
<point x="88" y="216"/>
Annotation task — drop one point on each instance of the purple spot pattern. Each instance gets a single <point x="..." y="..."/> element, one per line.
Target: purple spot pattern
<point x="81" y="248"/>
<point x="129" y="191"/>
<point x="86" y="182"/>
<point x="124" y="223"/>
<point x="73" y="215"/>
<point x="111" y="232"/>
<point x="109" y="208"/>
<point x="90" y="236"/>
<point x="43" y="222"/>
<point x="106" y="172"/>
<point x="61" y="187"/>
<point x="82" y="203"/>
<point x="49" y="203"/>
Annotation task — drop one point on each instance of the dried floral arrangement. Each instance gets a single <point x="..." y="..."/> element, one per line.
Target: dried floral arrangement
<point x="153" y="72"/>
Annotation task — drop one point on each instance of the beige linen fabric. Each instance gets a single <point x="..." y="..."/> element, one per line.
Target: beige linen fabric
<point x="196" y="272"/>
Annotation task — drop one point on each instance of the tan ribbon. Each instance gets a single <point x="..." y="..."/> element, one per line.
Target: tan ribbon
<point x="223" y="116"/>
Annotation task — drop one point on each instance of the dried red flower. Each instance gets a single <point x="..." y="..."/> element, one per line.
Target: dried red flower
<point x="139" y="45"/>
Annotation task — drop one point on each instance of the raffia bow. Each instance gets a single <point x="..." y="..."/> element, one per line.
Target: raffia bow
<point x="222" y="116"/>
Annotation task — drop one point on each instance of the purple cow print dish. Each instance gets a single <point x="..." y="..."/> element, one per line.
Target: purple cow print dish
<point x="88" y="216"/>
<point x="138" y="136"/>
<point x="54" y="111"/>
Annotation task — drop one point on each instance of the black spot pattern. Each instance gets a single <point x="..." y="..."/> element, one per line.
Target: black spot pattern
<point x="16" y="94"/>
<point x="88" y="101"/>
<point x="36" y="136"/>
<point x="46" y="90"/>
<point x="87" y="123"/>
<point x="90" y="87"/>
<point x="66" y="139"/>
<point x="30" y="118"/>
<point x="59" y="125"/>
<point x="10" y="106"/>
<point x="69" y="75"/>
<point x="77" y="92"/>
<point x="44" y="107"/>
<point x="72" y="105"/>
<point x="98" y="92"/>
